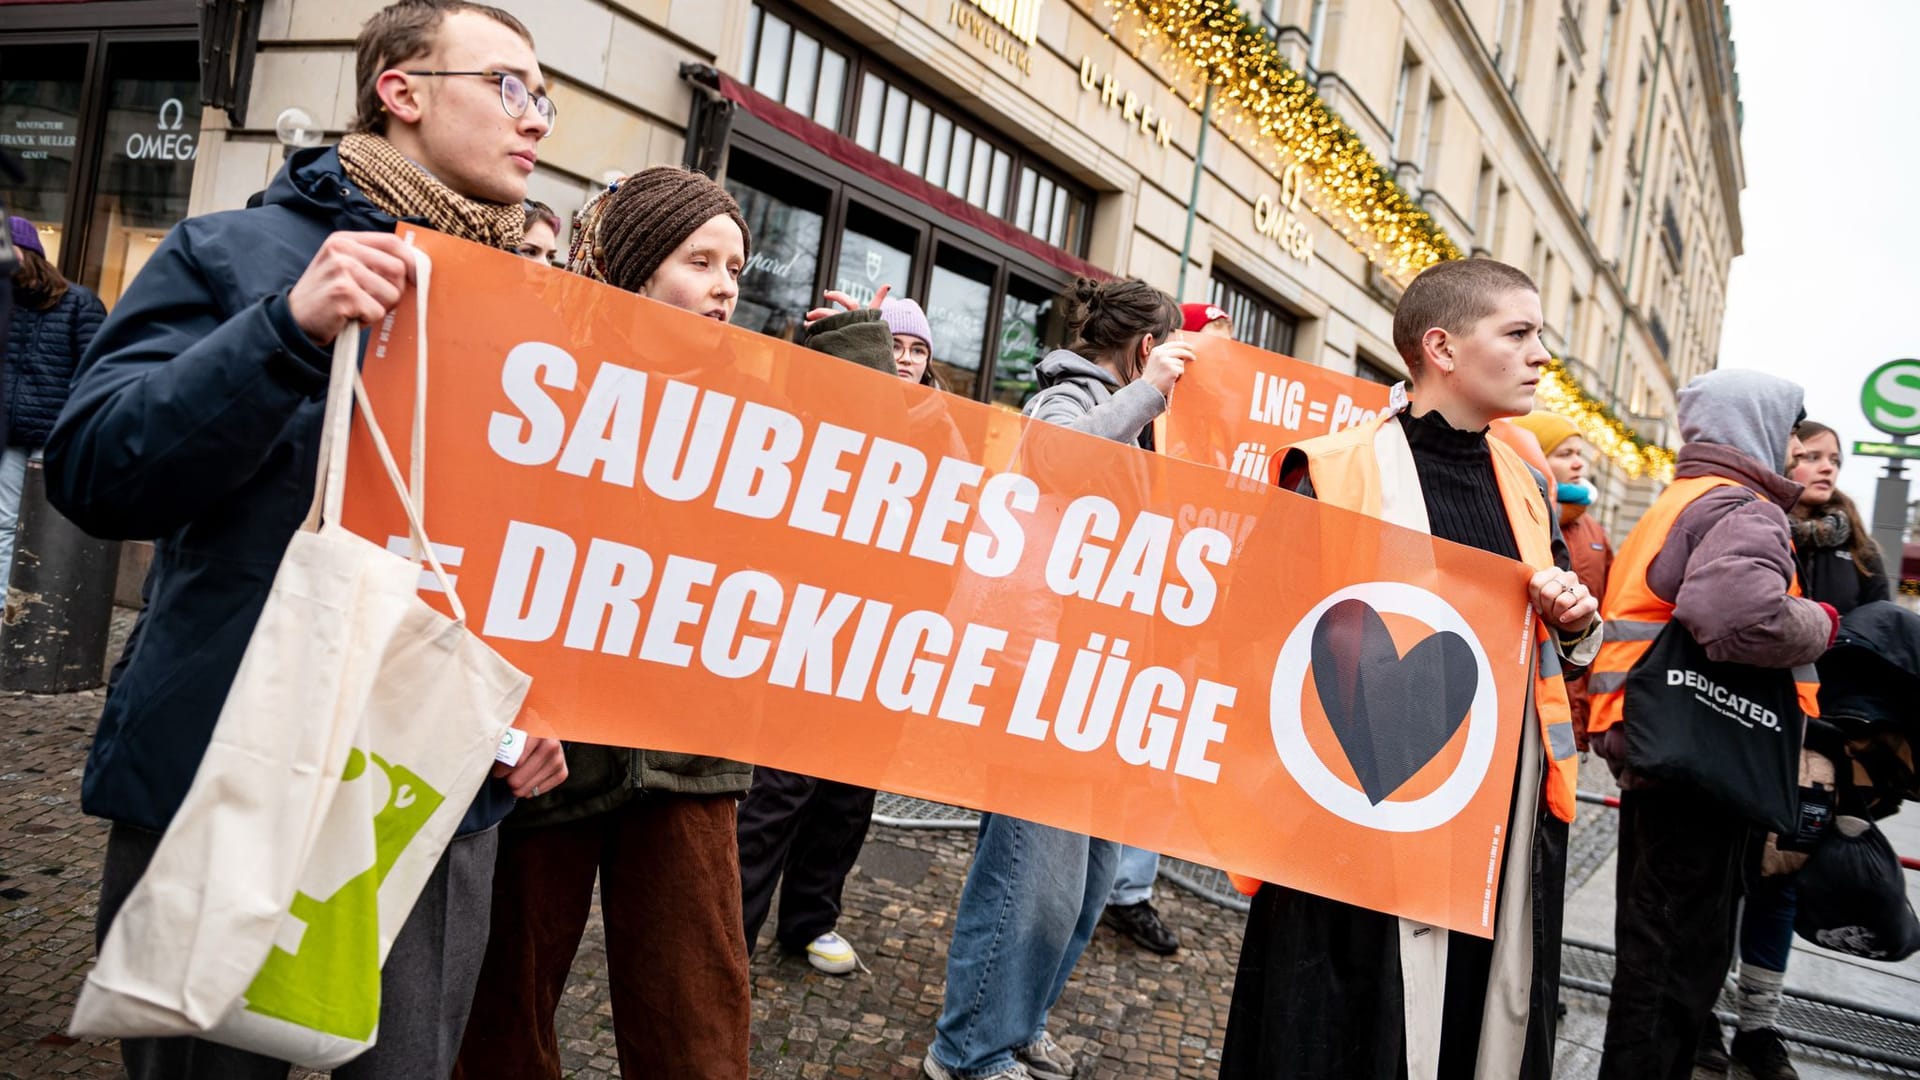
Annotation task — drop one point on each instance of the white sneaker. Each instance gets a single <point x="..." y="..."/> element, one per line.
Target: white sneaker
<point x="1046" y="1059"/>
<point x="830" y="953"/>
<point x="933" y="1070"/>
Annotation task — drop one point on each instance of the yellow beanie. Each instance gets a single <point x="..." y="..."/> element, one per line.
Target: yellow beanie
<point x="1551" y="429"/>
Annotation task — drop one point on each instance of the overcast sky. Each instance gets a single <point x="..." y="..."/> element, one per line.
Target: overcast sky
<point x="1829" y="285"/>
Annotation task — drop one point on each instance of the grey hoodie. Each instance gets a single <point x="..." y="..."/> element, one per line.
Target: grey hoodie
<point x="1750" y="411"/>
<point x="1080" y="394"/>
<point x="1728" y="560"/>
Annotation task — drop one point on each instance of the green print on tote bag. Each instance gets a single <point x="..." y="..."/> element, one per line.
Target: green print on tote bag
<point x="339" y="947"/>
<point x="358" y="728"/>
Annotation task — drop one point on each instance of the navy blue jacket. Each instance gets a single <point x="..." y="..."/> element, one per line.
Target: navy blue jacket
<point x="195" y="422"/>
<point x="43" y="349"/>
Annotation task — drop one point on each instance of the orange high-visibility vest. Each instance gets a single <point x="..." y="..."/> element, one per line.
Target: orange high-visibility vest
<point x="1346" y="472"/>
<point x="1635" y="616"/>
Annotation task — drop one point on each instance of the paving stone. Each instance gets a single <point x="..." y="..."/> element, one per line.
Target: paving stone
<point x="805" y="1024"/>
<point x="1126" y="1013"/>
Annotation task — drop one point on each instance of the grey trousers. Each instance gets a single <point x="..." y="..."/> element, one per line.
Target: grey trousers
<point x="426" y="985"/>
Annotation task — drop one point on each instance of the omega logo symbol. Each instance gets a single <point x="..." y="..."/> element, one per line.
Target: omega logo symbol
<point x="1281" y="221"/>
<point x="171" y="144"/>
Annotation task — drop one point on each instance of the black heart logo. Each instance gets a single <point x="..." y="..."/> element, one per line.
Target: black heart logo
<point x="1392" y="713"/>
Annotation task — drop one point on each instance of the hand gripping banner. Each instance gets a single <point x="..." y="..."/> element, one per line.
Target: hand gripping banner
<point x="701" y="540"/>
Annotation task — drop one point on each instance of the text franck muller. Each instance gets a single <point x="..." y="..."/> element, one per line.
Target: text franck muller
<point x="1020" y="19"/>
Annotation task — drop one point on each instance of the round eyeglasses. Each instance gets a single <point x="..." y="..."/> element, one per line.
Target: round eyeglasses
<point x="514" y="96"/>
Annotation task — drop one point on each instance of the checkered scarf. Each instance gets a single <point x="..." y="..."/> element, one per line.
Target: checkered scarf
<point x="396" y="184"/>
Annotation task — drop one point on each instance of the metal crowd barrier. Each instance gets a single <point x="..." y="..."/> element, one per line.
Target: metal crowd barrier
<point x="1906" y="861"/>
<point x="905" y="812"/>
<point x="1884" y="1039"/>
<point x="1853" y="1032"/>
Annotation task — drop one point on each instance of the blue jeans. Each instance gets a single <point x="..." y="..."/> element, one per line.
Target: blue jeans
<point x="1029" y="907"/>
<point x="1766" y="924"/>
<point x="13" y="473"/>
<point x="1133" y="883"/>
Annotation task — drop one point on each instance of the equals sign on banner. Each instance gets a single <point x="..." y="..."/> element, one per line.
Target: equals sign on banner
<point x="1317" y="412"/>
<point x="448" y="555"/>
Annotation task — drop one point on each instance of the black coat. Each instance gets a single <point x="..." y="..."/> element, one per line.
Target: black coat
<point x="1829" y="575"/>
<point x="195" y="423"/>
<point x="1869" y="682"/>
<point x="43" y="349"/>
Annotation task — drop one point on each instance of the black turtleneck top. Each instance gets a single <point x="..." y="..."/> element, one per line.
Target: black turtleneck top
<point x="1457" y="478"/>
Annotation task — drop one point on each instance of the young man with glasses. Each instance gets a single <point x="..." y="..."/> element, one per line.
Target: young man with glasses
<point x="195" y="422"/>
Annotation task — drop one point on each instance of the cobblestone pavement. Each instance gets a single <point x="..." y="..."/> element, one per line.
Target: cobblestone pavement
<point x="49" y="875"/>
<point x="1136" y="1014"/>
<point x="1127" y="1013"/>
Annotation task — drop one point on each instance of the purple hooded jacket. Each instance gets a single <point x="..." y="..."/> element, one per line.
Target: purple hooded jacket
<point x="1728" y="560"/>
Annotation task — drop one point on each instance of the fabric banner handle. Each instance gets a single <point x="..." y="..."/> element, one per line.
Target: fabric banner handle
<point x="344" y="388"/>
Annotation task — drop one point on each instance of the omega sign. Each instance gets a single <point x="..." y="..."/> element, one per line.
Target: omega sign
<point x="169" y="143"/>
<point x="1281" y="221"/>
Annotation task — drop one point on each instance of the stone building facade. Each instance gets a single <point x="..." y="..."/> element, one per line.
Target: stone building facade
<point x="977" y="154"/>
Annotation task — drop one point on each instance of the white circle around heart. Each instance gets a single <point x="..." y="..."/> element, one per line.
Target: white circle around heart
<point x="1336" y="795"/>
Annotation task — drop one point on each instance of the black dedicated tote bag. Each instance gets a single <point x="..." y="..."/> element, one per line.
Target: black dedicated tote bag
<point x="1729" y="730"/>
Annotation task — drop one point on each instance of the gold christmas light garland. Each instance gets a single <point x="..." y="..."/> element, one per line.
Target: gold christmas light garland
<point x="1214" y="41"/>
<point x="1559" y="392"/>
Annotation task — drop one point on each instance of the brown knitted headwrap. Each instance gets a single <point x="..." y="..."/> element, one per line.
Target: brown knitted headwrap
<point x="392" y="182"/>
<point x="583" y="247"/>
<point x="623" y="235"/>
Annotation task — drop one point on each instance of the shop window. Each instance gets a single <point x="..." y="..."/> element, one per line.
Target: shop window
<point x="875" y="250"/>
<point x="1032" y="321"/>
<point x="958" y="303"/>
<point x="110" y="167"/>
<point x="40" y="126"/>
<point x="777" y="285"/>
<point x="150" y="140"/>
<point x="1256" y="320"/>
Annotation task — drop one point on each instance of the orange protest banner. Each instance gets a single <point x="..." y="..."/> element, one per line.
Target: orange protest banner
<point x="703" y="540"/>
<point x="1238" y="406"/>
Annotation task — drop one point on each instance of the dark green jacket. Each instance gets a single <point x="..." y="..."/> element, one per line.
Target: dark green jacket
<point x="603" y="778"/>
<point x="857" y="336"/>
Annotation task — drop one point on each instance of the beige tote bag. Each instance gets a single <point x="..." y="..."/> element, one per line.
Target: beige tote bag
<point x="358" y="729"/>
